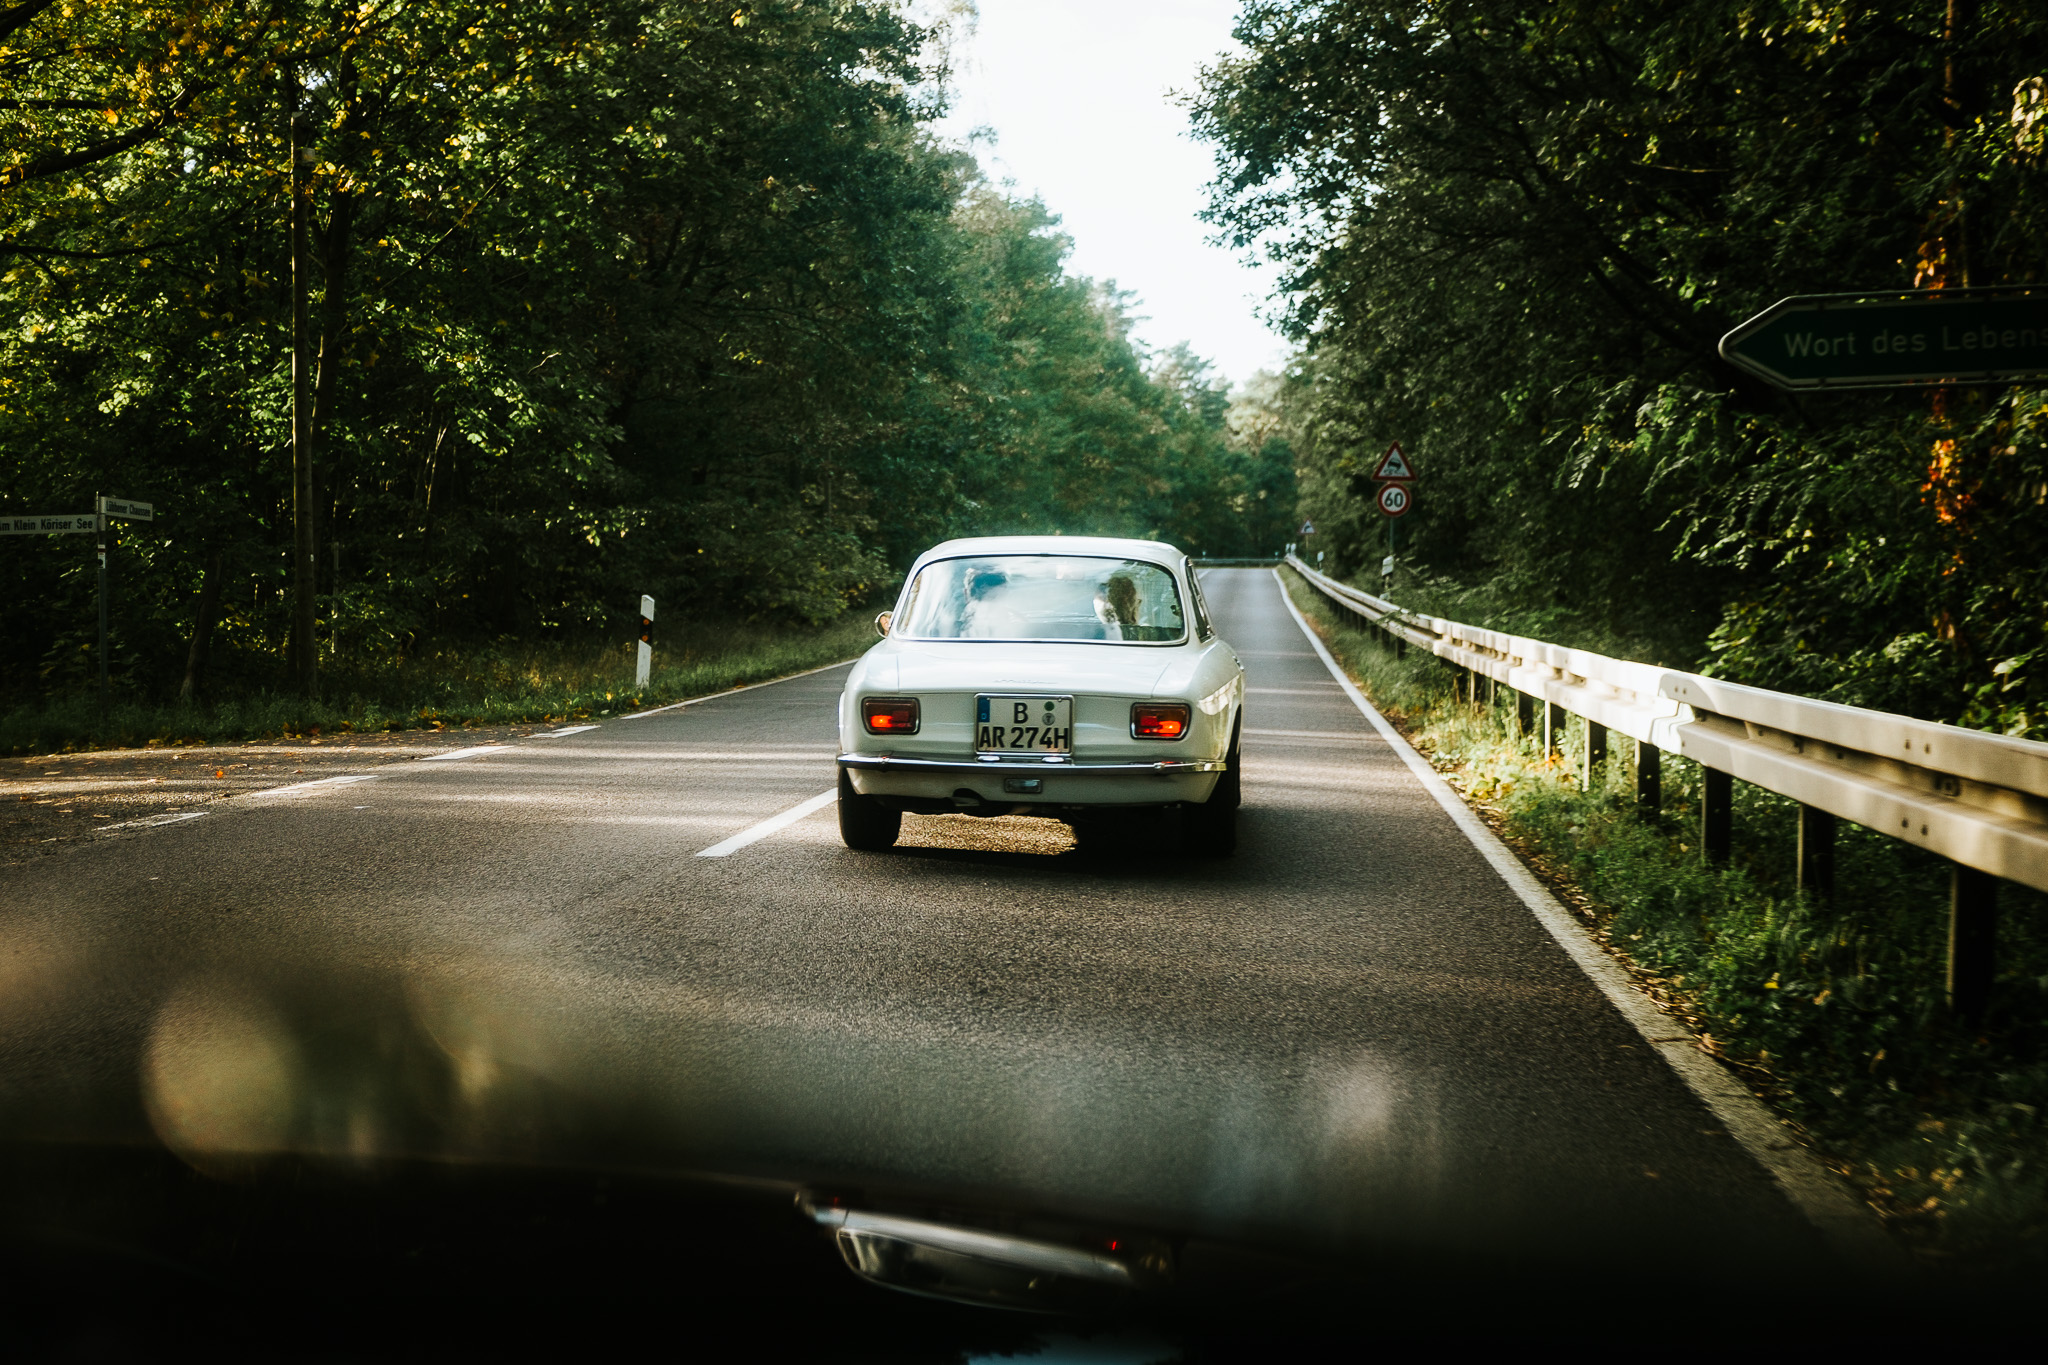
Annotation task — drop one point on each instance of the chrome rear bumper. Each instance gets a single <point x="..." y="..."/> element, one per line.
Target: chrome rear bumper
<point x="888" y="763"/>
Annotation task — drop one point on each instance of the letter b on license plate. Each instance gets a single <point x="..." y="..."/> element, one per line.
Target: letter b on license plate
<point x="1023" y="725"/>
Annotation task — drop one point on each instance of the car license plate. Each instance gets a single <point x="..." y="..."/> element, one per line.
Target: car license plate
<point x="1023" y="725"/>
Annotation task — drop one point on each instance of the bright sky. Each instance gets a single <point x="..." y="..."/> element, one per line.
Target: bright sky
<point x="1080" y="95"/>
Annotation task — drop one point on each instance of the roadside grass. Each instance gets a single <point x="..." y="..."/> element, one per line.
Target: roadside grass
<point x="501" y="683"/>
<point x="1835" y="1014"/>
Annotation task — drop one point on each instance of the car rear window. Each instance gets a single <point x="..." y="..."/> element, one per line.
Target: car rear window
<point x="1043" y="597"/>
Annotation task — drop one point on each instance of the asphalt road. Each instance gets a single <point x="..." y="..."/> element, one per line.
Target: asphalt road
<point x="1350" y="1034"/>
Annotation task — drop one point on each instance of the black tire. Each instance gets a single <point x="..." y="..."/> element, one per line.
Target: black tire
<point x="1102" y="835"/>
<point x="1210" y="829"/>
<point x="864" y="823"/>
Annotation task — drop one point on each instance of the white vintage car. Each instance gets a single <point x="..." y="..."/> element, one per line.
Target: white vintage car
<point x="1072" y="677"/>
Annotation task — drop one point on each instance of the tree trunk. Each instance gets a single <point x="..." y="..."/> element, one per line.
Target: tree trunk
<point x="202" y="631"/>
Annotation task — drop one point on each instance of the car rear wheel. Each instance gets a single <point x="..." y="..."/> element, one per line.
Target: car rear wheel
<point x="865" y="823"/>
<point x="1210" y="829"/>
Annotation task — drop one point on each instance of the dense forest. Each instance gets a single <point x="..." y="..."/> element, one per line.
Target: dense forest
<point x="562" y="303"/>
<point x="1513" y="232"/>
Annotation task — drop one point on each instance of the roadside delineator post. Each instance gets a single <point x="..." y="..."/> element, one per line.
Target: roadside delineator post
<point x="1596" y="754"/>
<point x="1972" y="939"/>
<point x="1649" y="777"/>
<point x="1817" y="852"/>
<point x="1717" y="815"/>
<point x="646" y="646"/>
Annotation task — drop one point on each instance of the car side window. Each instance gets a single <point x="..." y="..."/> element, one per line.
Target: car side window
<point x="1203" y="630"/>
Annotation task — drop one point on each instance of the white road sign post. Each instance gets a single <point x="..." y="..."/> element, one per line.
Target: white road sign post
<point x="646" y="663"/>
<point x="100" y="507"/>
<point x="107" y="508"/>
<point x="78" y="524"/>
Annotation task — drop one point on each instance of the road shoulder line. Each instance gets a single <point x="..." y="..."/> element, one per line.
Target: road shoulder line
<point x="773" y="824"/>
<point x="1849" y="1227"/>
<point x="714" y="696"/>
<point x="305" y="788"/>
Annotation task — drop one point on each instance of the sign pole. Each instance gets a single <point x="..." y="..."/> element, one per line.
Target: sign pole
<point x="304" y="654"/>
<point x="1395" y="475"/>
<point x="99" y="507"/>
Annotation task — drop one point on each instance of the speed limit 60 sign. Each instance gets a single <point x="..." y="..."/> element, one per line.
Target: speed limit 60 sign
<point x="1395" y="499"/>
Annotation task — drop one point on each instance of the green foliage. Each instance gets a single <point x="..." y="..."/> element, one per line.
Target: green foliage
<point x="658" y="296"/>
<point x="501" y="682"/>
<point x="1513" y="233"/>
<point x="1837" y="1012"/>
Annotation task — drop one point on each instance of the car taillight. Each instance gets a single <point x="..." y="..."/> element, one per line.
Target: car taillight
<point x="890" y="715"/>
<point x="1159" y="720"/>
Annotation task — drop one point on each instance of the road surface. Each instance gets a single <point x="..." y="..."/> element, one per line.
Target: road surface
<point x="1352" y="1034"/>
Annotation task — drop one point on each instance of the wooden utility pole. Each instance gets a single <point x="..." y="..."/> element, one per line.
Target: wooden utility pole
<point x="305" y="651"/>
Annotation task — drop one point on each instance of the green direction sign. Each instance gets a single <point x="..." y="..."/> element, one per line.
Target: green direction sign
<point x="127" y="507"/>
<point x="1926" y="336"/>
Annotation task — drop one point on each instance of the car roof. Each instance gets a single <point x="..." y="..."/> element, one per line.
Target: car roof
<point x="1157" y="551"/>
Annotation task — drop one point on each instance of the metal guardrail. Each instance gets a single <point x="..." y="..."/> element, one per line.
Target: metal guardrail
<point x="1979" y="800"/>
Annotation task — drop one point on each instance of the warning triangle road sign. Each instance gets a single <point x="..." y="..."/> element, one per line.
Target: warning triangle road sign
<point x="1393" y="465"/>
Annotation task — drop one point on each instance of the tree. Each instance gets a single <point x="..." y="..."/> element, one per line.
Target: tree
<point x="1513" y="235"/>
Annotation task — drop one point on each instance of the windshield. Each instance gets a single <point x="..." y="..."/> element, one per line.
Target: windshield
<point x="1043" y="597"/>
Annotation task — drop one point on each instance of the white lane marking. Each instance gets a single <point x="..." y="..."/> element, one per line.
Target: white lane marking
<point x="557" y="734"/>
<point x="150" y="821"/>
<point x="1814" y="1190"/>
<point x="1307" y="734"/>
<point x="478" y="752"/>
<point x="773" y="823"/>
<point x="1320" y="690"/>
<point x="303" y="788"/>
<point x="714" y="696"/>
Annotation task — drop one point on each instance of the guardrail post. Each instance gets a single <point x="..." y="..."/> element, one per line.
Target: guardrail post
<point x="1817" y="852"/>
<point x="1649" y="778"/>
<point x="1717" y="815"/>
<point x="1972" y="939"/>
<point x="1596" y="753"/>
<point x="1525" y="713"/>
<point x="1553" y="727"/>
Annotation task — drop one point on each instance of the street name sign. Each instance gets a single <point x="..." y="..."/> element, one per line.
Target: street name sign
<point x="1393" y="465"/>
<point x="48" y="526"/>
<point x="1395" y="499"/>
<point x="1910" y="337"/>
<point x="127" y="507"/>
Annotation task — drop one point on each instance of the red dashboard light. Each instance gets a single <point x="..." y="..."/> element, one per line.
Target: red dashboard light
<point x="1159" y="720"/>
<point x="889" y="715"/>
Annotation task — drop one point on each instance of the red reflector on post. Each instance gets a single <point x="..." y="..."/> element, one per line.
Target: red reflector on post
<point x="1159" y="720"/>
<point x="890" y="715"/>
